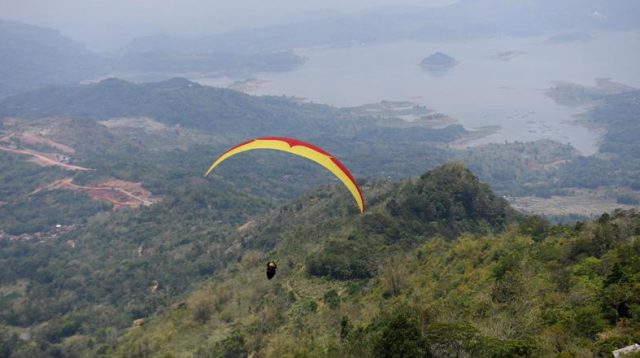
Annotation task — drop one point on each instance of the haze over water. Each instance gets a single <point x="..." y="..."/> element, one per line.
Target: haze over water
<point x="481" y="90"/>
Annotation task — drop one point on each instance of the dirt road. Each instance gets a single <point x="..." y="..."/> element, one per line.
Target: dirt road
<point x="43" y="159"/>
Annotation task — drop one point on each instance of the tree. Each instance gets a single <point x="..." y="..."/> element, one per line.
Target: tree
<point x="401" y="337"/>
<point x="231" y="347"/>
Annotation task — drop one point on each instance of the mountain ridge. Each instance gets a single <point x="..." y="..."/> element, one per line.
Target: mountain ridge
<point x="37" y="56"/>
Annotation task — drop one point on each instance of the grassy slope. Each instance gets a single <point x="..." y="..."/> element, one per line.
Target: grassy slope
<point x="531" y="290"/>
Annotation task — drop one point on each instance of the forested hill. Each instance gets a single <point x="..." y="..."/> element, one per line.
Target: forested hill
<point x="438" y="263"/>
<point x="216" y="110"/>
<point x="100" y="278"/>
<point x="175" y="101"/>
<point x="438" y="267"/>
<point x="445" y="202"/>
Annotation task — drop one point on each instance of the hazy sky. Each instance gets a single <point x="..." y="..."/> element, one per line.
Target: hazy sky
<point x="105" y="24"/>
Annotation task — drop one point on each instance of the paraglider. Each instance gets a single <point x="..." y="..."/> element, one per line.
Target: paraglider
<point x="303" y="149"/>
<point x="271" y="269"/>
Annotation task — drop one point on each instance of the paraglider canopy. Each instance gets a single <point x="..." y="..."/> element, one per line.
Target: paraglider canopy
<point x="303" y="149"/>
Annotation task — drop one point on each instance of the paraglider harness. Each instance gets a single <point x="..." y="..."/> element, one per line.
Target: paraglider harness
<point x="271" y="269"/>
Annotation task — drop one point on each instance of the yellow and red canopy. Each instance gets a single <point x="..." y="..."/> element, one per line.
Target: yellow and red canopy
<point x="303" y="149"/>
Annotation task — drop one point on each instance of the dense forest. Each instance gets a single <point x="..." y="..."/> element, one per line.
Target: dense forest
<point x="107" y="269"/>
<point x="438" y="266"/>
<point x="461" y="284"/>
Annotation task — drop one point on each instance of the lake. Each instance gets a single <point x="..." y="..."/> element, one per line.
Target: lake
<point x="497" y="81"/>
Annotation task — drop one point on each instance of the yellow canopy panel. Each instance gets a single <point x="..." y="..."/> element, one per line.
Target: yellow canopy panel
<point x="302" y="149"/>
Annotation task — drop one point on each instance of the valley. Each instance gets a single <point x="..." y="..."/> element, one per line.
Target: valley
<point x="492" y="147"/>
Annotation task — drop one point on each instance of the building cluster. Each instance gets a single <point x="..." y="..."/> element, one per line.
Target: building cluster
<point x="63" y="158"/>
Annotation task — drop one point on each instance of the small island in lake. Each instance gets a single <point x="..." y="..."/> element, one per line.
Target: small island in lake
<point x="438" y="60"/>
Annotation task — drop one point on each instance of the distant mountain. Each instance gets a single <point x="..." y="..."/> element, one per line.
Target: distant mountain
<point x="167" y="53"/>
<point x="466" y="18"/>
<point x="163" y="61"/>
<point x="32" y="57"/>
<point x="36" y="56"/>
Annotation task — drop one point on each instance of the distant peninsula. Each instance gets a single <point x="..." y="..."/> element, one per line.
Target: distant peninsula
<point x="438" y="60"/>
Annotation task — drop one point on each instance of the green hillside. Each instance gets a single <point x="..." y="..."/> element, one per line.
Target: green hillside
<point x="98" y="278"/>
<point x="347" y="286"/>
<point x="438" y="266"/>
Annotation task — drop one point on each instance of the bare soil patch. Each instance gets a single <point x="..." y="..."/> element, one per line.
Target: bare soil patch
<point x="585" y="203"/>
<point x="34" y="139"/>
<point x="119" y="193"/>
<point x="44" y="159"/>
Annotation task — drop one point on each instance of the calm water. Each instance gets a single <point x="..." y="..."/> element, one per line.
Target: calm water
<point x="481" y="90"/>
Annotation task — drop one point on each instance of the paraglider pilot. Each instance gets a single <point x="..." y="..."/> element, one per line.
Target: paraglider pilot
<point x="271" y="269"/>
